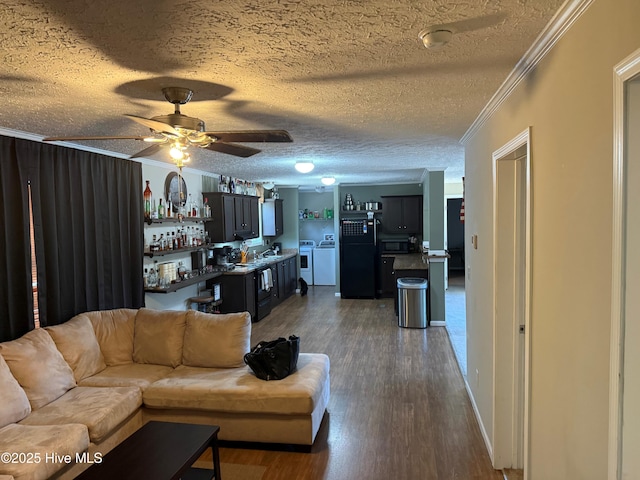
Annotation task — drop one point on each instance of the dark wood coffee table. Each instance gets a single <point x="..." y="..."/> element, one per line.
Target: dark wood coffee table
<point x="162" y="451"/>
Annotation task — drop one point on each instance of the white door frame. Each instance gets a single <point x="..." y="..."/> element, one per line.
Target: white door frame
<point x="624" y="71"/>
<point x="507" y="449"/>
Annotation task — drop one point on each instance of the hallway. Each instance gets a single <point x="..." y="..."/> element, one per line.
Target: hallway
<point x="398" y="409"/>
<point x="456" y="318"/>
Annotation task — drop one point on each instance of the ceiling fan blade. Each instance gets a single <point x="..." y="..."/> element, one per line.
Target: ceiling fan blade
<point x="249" y="136"/>
<point x="61" y="139"/>
<point x="155" y="125"/>
<point x="147" y="152"/>
<point x="232" y="149"/>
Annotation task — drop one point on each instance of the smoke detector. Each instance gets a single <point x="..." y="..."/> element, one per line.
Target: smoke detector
<point x="435" y="38"/>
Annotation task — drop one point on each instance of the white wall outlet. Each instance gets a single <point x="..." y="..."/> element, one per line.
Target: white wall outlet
<point x="477" y="378"/>
<point x="468" y="272"/>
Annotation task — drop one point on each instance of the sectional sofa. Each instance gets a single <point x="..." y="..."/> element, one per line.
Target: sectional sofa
<point x="86" y="385"/>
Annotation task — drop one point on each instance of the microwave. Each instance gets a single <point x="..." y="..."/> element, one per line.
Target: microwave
<point x="394" y="246"/>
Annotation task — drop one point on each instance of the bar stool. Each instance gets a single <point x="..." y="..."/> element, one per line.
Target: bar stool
<point x="204" y="303"/>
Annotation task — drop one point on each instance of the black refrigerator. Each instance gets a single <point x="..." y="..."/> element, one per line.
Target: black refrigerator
<point x="358" y="238"/>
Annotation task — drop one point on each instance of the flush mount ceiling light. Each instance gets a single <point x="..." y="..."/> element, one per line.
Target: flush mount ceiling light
<point x="304" y="166"/>
<point x="268" y="185"/>
<point x="328" y="180"/>
<point x="434" y="38"/>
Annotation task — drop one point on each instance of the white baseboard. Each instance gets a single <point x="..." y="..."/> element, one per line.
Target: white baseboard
<point x="438" y="323"/>
<point x="487" y="441"/>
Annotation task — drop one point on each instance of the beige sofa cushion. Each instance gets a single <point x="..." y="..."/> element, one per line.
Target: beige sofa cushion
<point x="114" y="331"/>
<point x="158" y="337"/>
<point x="216" y="340"/>
<point x="38" y="366"/>
<point x="238" y="390"/>
<point x="77" y="342"/>
<point x="14" y="404"/>
<point x="41" y="440"/>
<point x="100" y="409"/>
<point x="139" y="375"/>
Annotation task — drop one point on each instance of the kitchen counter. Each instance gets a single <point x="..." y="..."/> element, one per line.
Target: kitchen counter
<point x="414" y="261"/>
<point x="243" y="269"/>
<point x="408" y="261"/>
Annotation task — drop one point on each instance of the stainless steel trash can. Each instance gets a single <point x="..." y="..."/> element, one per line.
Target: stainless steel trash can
<point x="412" y="302"/>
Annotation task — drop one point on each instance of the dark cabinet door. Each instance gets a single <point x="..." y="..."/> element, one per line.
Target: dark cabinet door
<point x="392" y="214"/>
<point x="292" y="276"/>
<point x="234" y="216"/>
<point x="239" y="294"/>
<point x="276" y="289"/>
<point x="253" y="221"/>
<point x="402" y="214"/>
<point x="387" y="278"/>
<point x="241" y="211"/>
<point x="412" y="214"/>
<point x="250" y="292"/>
<point x="282" y="279"/>
<point x="227" y="221"/>
<point x="246" y="217"/>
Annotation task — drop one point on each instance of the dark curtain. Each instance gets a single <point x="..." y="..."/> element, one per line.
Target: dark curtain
<point x="16" y="298"/>
<point x="89" y="230"/>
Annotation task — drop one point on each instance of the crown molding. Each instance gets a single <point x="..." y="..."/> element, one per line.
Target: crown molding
<point x="566" y="16"/>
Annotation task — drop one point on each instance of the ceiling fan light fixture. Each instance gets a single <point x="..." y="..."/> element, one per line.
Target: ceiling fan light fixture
<point x="435" y="38"/>
<point x="304" y="166"/>
<point x="268" y="185"/>
<point x="328" y="180"/>
<point x="176" y="153"/>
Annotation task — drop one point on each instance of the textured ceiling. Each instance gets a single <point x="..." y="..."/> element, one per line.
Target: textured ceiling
<point x="350" y="80"/>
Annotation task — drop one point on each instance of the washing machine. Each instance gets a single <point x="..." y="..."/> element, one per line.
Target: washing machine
<point x="324" y="263"/>
<point x="306" y="260"/>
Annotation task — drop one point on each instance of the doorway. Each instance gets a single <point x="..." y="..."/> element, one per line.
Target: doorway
<point x="512" y="274"/>
<point x="624" y="414"/>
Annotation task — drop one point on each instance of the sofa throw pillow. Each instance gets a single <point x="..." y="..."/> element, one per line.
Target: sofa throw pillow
<point x="158" y="337"/>
<point x="77" y="342"/>
<point x="216" y="340"/>
<point x="38" y="366"/>
<point x="114" y="331"/>
<point x="15" y="404"/>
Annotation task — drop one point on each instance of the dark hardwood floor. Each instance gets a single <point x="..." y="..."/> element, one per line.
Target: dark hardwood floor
<point x="398" y="409"/>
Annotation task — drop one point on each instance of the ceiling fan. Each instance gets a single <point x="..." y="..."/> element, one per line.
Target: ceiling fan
<point x="178" y="132"/>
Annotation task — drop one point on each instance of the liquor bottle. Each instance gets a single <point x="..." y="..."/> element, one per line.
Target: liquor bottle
<point x="160" y="210"/>
<point x="169" y="241"/>
<point x="207" y="208"/>
<point x="162" y="242"/>
<point x="154" y="210"/>
<point x="147" y="201"/>
<point x="190" y="207"/>
<point x="169" y="208"/>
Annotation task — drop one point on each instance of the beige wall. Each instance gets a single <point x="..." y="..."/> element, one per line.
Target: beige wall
<point x="567" y="100"/>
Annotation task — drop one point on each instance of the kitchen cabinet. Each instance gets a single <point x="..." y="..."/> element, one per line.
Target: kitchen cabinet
<point x="402" y="214"/>
<point x="272" y="218"/>
<point x="238" y="293"/>
<point x="387" y="288"/>
<point x="234" y="217"/>
<point x="286" y="280"/>
<point x="291" y="281"/>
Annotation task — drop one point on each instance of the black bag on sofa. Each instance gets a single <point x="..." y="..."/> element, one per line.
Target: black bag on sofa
<point x="274" y="360"/>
